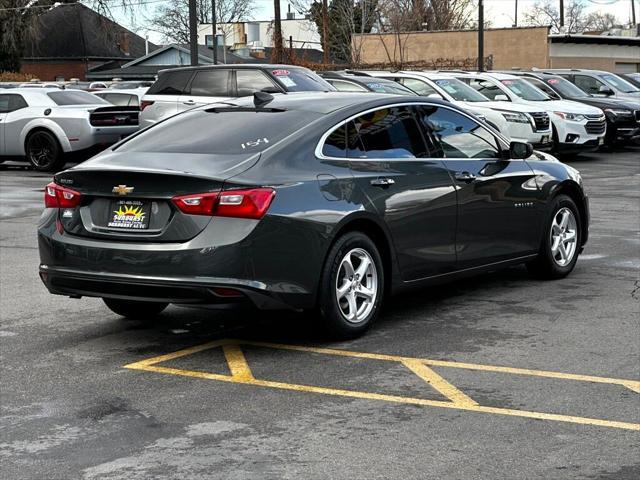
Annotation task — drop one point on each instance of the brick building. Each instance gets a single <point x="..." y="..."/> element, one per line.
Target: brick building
<point x="71" y="39"/>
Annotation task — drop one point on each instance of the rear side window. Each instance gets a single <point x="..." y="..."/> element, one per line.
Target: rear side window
<point x="171" y="83"/>
<point x="456" y="135"/>
<point x="74" y="97"/>
<point x="11" y="103"/>
<point x="343" y="86"/>
<point x="228" y="132"/>
<point x="299" y="80"/>
<point x="250" y="81"/>
<point x="388" y="133"/>
<point x="211" y="83"/>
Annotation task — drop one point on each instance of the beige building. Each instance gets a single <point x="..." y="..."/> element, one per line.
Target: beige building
<point x="507" y="48"/>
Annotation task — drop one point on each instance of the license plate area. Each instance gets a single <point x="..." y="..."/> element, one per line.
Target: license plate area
<point x="544" y="139"/>
<point x="129" y="215"/>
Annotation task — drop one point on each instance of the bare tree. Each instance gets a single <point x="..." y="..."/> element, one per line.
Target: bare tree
<point x="172" y="20"/>
<point x="545" y="13"/>
<point x="601" y="21"/>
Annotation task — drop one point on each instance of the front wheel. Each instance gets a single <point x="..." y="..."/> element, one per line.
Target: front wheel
<point x="561" y="241"/>
<point x="135" y="310"/>
<point x="44" y="151"/>
<point x="352" y="286"/>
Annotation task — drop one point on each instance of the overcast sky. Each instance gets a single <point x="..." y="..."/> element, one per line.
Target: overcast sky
<point x="499" y="12"/>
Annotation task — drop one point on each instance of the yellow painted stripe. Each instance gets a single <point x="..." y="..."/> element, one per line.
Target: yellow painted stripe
<point x="178" y="354"/>
<point x="631" y="384"/>
<point x="389" y="398"/>
<point x="237" y="363"/>
<point x="439" y="383"/>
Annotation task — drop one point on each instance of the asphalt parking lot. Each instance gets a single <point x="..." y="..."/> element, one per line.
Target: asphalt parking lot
<point x="498" y="376"/>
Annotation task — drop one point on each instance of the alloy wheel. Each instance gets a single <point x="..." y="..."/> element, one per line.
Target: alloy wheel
<point x="41" y="152"/>
<point x="564" y="236"/>
<point x="356" y="285"/>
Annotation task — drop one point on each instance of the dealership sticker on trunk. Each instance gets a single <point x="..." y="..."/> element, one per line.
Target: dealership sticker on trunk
<point x="130" y="215"/>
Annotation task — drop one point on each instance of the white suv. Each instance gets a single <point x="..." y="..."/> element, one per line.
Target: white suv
<point x="576" y="126"/>
<point x="180" y="89"/>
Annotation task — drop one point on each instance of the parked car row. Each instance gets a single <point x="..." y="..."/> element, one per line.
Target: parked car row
<point x="544" y="108"/>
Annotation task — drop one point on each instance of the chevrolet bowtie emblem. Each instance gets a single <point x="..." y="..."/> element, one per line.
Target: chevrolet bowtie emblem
<point x="122" y="189"/>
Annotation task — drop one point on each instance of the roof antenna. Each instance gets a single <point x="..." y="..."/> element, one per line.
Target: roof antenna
<point x="260" y="99"/>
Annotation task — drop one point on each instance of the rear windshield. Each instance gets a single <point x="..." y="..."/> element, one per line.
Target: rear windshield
<point x="226" y="132"/>
<point x="298" y="80"/>
<point x="74" y="97"/>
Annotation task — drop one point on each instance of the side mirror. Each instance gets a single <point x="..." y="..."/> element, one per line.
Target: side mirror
<point x="501" y="97"/>
<point x="520" y="150"/>
<point x="604" y="90"/>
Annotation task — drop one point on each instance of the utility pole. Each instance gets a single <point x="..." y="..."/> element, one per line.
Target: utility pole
<point x="633" y="12"/>
<point x="325" y="32"/>
<point x="515" y="18"/>
<point x="561" y="13"/>
<point x="214" y="27"/>
<point x="481" y="35"/>
<point x="193" y="33"/>
<point x="277" y="33"/>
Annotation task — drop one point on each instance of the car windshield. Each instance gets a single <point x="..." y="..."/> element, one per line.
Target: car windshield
<point x="619" y="84"/>
<point x="298" y="80"/>
<point x="460" y="91"/>
<point x="74" y="97"/>
<point x="220" y="130"/>
<point x="566" y="88"/>
<point x="525" y="90"/>
<point x="382" y="86"/>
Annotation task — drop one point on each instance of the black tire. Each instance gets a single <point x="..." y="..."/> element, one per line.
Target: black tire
<point x="546" y="265"/>
<point x="332" y="318"/>
<point x="133" y="309"/>
<point x="44" y="151"/>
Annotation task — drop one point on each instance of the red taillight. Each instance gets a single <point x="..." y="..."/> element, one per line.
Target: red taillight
<point x="250" y="203"/>
<point x="56" y="196"/>
<point x="145" y="103"/>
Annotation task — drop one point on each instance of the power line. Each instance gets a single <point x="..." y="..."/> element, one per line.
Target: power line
<point x="56" y="5"/>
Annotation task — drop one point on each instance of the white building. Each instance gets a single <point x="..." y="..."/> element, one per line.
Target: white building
<point x="298" y="33"/>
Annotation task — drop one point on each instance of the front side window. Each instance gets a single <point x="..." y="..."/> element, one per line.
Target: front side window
<point x="211" y="83"/>
<point x="74" y="97"/>
<point x="460" y="90"/>
<point x="590" y="85"/>
<point x="386" y="133"/>
<point x="544" y="87"/>
<point x="486" y="88"/>
<point x="251" y="81"/>
<point x="566" y="88"/>
<point x="457" y="135"/>
<point x="525" y="90"/>
<point x="418" y="86"/>
<point x="11" y="103"/>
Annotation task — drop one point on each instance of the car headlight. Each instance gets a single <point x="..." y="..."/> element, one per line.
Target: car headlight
<point x="515" y="117"/>
<point x="574" y="117"/>
<point x="619" y="112"/>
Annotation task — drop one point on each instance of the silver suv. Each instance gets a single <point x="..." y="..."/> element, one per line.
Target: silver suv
<point x="180" y="89"/>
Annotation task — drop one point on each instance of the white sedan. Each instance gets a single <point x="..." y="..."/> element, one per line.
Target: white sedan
<point x="48" y="125"/>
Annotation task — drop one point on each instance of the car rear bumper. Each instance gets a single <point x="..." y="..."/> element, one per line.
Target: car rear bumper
<point x="179" y="290"/>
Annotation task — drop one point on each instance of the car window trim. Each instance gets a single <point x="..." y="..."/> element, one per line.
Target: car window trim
<point x="319" y="155"/>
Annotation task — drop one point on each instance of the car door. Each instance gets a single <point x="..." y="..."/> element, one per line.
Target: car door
<point x="12" y="120"/>
<point x="206" y="86"/>
<point x="412" y="191"/>
<point x="498" y="213"/>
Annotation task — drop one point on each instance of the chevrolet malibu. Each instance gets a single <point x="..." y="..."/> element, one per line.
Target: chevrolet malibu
<point x="324" y="202"/>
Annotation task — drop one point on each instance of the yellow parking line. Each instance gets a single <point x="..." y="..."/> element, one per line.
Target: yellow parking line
<point x="439" y="383"/>
<point x="630" y="384"/>
<point x="237" y="363"/>
<point x="241" y="374"/>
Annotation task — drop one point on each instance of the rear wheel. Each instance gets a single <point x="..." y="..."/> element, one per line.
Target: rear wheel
<point x="352" y="286"/>
<point x="133" y="309"/>
<point x="561" y="241"/>
<point x="44" y="151"/>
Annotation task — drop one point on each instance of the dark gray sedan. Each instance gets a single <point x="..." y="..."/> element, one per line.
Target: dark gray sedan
<point x="323" y="201"/>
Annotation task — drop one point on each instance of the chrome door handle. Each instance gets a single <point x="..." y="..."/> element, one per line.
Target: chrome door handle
<point x="189" y="102"/>
<point x="382" y="182"/>
<point x="464" y="177"/>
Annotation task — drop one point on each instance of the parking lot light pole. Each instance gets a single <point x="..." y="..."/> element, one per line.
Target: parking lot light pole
<point x="193" y="33"/>
<point x="561" y="13"/>
<point x="481" y="35"/>
<point x="214" y="27"/>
